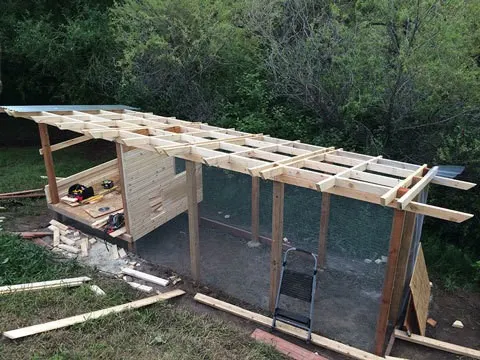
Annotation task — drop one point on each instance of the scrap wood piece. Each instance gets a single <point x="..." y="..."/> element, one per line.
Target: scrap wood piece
<point x="318" y="340"/>
<point x="147" y="277"/>
<point x="118" y="232"/>
<point x="67" y="240"/>
<point x="59" y="225"/>
<point x="420" y="289"/>
<point x="107" y="205"/>
<point x="69" y="248"/>
<point x="285" y="347"/>
<point x="58" y="324"/>
<point x="140" y="287"/>
<point x="437" y="344"/>
<point x="101" y="222"/>
<point x="51" y="284"/>
<point x="34" y="234"/>
<point x="97" y="290"/>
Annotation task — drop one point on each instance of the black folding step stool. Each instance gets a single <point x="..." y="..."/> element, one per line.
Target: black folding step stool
<point x="300" y="286"/>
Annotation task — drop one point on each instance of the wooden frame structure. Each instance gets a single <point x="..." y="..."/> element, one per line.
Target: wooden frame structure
<point x="367" y="178"/>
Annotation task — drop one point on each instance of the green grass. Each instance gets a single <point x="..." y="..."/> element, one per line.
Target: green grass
<point x="161" y="331"/>
<point x="21" y="167"/>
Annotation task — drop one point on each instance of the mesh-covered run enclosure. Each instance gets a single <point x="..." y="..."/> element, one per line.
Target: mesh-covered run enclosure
<point x="348" y="290"/>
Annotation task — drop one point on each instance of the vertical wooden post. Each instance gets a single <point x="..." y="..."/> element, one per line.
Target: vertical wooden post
<point x="193" y="229"/>
<point x="48" y="159"/>
<point x="277" y="235"/>
<point x="324" y="219"/>
<point x="402" y="265"/>
<point x="120" y="151"/>
<point x="255" y="209"/>
<point x="388" y="283"/>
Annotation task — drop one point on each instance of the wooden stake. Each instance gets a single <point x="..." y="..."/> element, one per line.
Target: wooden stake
<point x="324" y="219"/>
<point x="402" y="264"/>
<point x="48" y="159"/>
<point x="277" y="235"/>
<point x="255" y="208"/>
<point x="395" y="241"/>
<point x="193" y="229"/>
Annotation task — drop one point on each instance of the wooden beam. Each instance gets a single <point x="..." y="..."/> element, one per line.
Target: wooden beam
<point x="52" y="284"/>
<point x="193" y="228"/>
<point x="58" y="324"/>
<point x="324" y="220"/>
<point x="255" y="208"/>
<point x="402" y="264"/>
<point x="48" y="159"/>
<point x="277" y="241"/>
<point x="330" y="182"/>
<point x="318" y="340"/>
<point x="417" y="188"/>
<point x="388" y="283"/>
<point x="68" y="143"/>
<point x="437" y="344"/>
<point x="390" y="195"/>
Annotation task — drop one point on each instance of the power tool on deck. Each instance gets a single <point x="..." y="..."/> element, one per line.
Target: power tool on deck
<point x="107" y="184"/>
<point x="114" y="222"/>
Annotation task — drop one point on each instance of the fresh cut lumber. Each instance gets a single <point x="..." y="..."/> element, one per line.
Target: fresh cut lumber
<point x="318" y="340"/>
<point x="146" y="277"/>
<point x="437" y="344"/>
<point x="58" y="324"/>
<point x="52" y="284"/>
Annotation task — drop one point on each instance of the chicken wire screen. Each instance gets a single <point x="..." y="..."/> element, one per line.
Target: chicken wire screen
<point x="348" y="289"/>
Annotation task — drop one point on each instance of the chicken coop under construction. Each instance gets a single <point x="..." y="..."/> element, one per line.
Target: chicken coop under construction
<point x="250" y="197"/>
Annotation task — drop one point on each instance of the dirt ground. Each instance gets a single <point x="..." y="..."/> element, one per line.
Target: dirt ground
<point x="344" y="312"/>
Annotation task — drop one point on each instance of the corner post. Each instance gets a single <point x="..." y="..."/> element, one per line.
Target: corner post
<point x="324" y="220"/>
<point x="121" y="149"/>
<point x="389" y="280"/>
<point x="255" y="211"/>
<point x="277" y="235"/>
<point x="193" y="228"/>
<point x="48" y="159"/>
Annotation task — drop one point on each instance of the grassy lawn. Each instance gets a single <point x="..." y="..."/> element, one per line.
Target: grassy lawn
<point x="166" y="330"/>
<point x="160" y="331"/>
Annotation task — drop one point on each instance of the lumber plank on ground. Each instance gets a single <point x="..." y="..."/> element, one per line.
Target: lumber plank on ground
<point x="437" y="344"/>
<point x="34" y="234"/>
<point x="51" y="284"/>
<point x="58" y="324"/>
<point x="146" y="277"/>
<point x="19" y="196"/>
<point x="318" y="340"/>
<point x="22" y="192"/>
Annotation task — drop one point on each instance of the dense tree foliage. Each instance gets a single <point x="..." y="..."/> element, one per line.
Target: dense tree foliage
<point x="401" y="78"/>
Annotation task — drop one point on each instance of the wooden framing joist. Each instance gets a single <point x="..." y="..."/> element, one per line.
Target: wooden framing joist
<point x="67" y="143"/>
<point x="358" y="176"/>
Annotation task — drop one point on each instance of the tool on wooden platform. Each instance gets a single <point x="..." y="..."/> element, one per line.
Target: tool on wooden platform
<point x="114" y="222"/>
<point x="107" y="184"/>
<point x="80" y="192"/>
<point x="298" y="285"/>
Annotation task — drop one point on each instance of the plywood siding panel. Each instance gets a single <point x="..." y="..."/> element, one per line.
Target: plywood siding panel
<point x="154" y="193"/>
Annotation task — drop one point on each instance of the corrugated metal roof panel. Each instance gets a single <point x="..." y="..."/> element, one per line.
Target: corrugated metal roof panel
<point x="38" y="108"/>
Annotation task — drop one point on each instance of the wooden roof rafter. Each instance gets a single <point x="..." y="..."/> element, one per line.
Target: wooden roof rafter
<point x="362" y="177"/>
